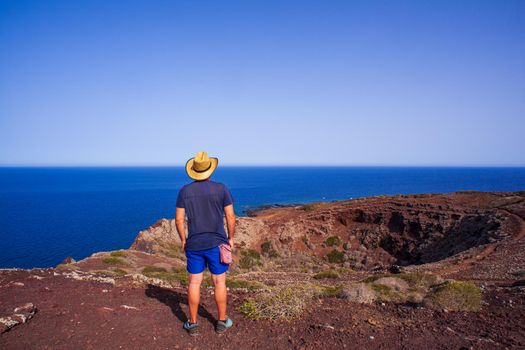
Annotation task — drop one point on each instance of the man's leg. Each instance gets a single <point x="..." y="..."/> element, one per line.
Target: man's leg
<point x="220" y="294"/>
<point x="194" y="294"/>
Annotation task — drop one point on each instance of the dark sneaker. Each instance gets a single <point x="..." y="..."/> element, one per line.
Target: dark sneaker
<point x="222" y="326"/>
<point x="191" y="328"/>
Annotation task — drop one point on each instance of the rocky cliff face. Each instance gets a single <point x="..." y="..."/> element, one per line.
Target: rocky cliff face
<point x="337" y="251"/>
<point x="371" y="232"/>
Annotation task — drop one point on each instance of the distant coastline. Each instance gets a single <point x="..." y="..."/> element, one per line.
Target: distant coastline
<point x="50" y="213"/>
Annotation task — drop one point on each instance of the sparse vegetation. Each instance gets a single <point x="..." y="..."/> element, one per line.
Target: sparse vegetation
<point x="387" y="293"/>
<point x="457" y="296"/>
<point x="333" y="241"/>
<point x="266" y="247"/>
<point x="119" y="272"/>
<point x="417" y="281"/>
<point x="153" y="269"/>
<point x="344" y="270"/>
<point x="284" y="303"/>
<point x="173" y="250"/>
<point x="326" y="274"/>
<point x="502" y="202"/>
<point x="118" y="254"/>
<point x="177" y="274"/>
<point x="305" y="240"/>
<point x="331" y="291"/>
<point x="273" y="254"/>
<point x="249" y="259"/>
<point x="249" y="285"/>
<point x="251" y="254"/>
<point x="335" y="256"/>
<point x="310" y="206"/>
<point x="113" y="261"/>
<point x="112" y="273"/>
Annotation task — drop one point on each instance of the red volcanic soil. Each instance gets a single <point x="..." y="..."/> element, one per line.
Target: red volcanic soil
<point x="475" y="236"/>
<point x="91" y="315"/>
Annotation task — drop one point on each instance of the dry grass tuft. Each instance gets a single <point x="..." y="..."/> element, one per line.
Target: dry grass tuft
<point x="118" y="254"/>
<point x="284" y="303"/>
<point x="456" y="296"/>
<point x="177" y="274"/>
<point x="112" y="260"/>
<point x="249" y="259"/>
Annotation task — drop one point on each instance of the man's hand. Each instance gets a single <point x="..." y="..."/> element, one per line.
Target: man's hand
<point x="230" y="241"/>
<point x="183" y="245"/>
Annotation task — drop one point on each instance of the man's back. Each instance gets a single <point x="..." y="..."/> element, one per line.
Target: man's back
<point x="204" y="203"/>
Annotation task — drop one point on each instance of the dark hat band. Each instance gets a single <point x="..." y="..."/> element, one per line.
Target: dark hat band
<point x="201" y="171"/>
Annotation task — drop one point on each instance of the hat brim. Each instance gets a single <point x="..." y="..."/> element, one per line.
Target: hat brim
<point x="195" y="175"/>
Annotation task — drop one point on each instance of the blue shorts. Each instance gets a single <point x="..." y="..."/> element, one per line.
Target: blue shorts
<point x="198" y="260"/>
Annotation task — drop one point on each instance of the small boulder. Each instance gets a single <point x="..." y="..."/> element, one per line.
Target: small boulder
<point x="395" y="283"/>
<point x="395" y="269"/>
<point x="21" y="315"/>
<point x="359" y="293"/>
<point x="68" y="260"/>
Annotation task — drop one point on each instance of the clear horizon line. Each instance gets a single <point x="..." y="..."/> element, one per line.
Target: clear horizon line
<point x="265" y="165"/>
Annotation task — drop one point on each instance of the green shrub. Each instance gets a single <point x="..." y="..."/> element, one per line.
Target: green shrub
<point x="457" y="296"/>
<point x="344" y="270"/>
<point x="177" y="274"/>
<point x="333" y="241"/>
<point x="387" y="293"/>
<point x="118" y="254"/>
<point x="250" y="309"/>
<point x="119" y="272"/>
<point x="331" y="291"/>
<point x="266" y="246"/>
<point x="310" y="206"/>
<point x="418" y="280"/>
<point x="251" y="254"/>
<point x="335" y="256"/>
<point x="153" y="269"/>
<point x="113" y="261"/>
<point x="247" y="263"/>
<point x="326" y="274"/>
<point x="249" y="259"/>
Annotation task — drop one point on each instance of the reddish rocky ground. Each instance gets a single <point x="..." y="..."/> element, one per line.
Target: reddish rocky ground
<point x="98" y="303"/>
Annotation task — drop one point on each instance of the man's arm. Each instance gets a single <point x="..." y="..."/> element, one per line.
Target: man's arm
<point x="230" y="222"/>
<point x="179" y="222"/>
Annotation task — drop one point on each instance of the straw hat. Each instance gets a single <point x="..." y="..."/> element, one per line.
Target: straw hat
<point x="201" y="166"/>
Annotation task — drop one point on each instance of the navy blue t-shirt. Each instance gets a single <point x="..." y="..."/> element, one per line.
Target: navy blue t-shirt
<point x="204" y="203"/>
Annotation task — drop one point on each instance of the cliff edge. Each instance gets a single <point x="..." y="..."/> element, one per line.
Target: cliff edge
<point x="428" y="270"/>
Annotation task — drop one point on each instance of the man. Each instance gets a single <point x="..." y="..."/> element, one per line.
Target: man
<point x="205" y="203"/>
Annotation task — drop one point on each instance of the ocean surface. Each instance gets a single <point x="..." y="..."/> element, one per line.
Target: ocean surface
<point x="47" y="214"/>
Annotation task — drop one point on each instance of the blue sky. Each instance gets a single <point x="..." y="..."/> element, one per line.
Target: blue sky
<point x="262" y="82"/>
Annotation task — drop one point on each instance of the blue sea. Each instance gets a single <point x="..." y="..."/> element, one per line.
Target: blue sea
<point x="50" y="213"/>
